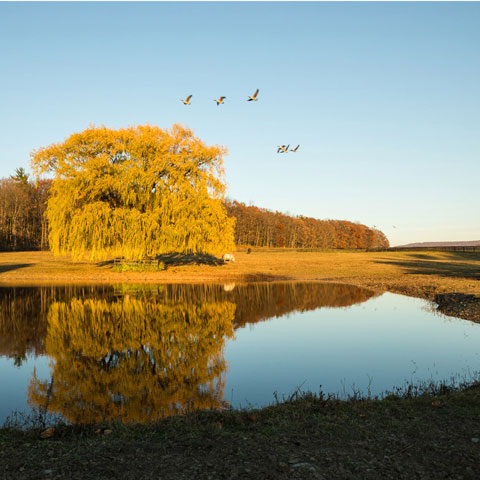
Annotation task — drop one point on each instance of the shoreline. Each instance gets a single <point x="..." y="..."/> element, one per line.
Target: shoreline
<point x="431" y="434"/>
<point x="450" y="279"/>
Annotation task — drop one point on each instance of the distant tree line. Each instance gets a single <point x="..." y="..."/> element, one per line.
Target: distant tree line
<point x="23" y="225"/>
<point x="22" y="205"/>
<point x="259" y="227"/>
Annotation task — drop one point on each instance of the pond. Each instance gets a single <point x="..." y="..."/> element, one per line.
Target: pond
<point x="141" y="352"/>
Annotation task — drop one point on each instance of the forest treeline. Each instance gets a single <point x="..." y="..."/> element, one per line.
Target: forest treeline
<point x="23" y="225"/>
<point x="259" y="227"/>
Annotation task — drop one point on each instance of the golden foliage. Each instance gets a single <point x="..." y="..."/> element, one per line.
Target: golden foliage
<point x="135" y="192"/>
<point x="132" y="359"/>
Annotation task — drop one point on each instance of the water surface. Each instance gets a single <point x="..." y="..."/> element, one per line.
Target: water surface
<point x="138" y="353"/>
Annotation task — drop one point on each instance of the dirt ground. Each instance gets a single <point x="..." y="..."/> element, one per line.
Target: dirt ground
<point x="430" y="437"/>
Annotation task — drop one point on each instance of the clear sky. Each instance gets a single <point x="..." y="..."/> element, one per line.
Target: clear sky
<point x="383" y="98"/>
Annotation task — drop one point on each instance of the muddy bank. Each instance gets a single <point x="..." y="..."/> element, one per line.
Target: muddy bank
<point x="459" y="305"/>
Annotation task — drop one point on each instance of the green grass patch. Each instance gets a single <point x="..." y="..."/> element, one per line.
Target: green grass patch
<point x="139" y="267"/>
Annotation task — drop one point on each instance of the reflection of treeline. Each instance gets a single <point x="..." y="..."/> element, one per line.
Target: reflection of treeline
<point x="22" y="321"/>
<point x="257" y="302"/>
<point x="23" y="225"/>
<point x="261" y="301"/>
<point x="259" y="227"/>
<point x="23" y="315"/>
<point x="23" y="310"/>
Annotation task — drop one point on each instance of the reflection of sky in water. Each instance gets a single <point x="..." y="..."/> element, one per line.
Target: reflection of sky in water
<point x="14" y="382"/>
<point x="383" y="342"/>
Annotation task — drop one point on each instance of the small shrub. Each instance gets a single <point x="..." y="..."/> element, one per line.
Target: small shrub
<point x="140" y="267"/>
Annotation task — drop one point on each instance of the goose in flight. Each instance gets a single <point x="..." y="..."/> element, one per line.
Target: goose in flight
<point x="294" y="149"/>
<point x="253" y="97"/>
<point x="187" y="100"/>
<point x="282" y="148"/>
<point x="220" y="100"/>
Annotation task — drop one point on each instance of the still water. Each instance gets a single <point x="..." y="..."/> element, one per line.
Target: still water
<point x="137" y="353"/>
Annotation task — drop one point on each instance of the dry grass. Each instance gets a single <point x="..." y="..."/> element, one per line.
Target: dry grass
<point x="418" y="274"/>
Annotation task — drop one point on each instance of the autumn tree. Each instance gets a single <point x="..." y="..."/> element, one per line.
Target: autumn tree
<point x="135" y="192"/>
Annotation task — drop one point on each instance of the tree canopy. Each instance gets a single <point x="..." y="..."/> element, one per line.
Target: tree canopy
<point x="135" y="192"/>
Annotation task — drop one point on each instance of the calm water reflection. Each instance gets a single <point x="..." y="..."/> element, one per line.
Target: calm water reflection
<point x="137" y="353"/>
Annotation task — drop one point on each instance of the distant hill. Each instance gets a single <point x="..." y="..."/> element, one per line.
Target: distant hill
<point x="473" y="243"/>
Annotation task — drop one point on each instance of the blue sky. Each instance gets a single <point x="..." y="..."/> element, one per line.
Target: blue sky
<point x="383" y="98"/>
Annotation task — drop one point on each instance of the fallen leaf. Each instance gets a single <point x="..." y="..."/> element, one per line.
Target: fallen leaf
<point x="47" y="433"/>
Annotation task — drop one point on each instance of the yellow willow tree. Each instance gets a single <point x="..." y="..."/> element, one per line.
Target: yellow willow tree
<point x="135" y="192"/>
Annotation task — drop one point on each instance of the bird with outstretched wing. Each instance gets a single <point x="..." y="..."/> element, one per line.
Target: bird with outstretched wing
<point x="187" y="100"/>
<point x="253" y="97"/>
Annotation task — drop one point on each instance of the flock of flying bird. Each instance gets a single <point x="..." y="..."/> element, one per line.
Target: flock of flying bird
<point x="219" y="101"/>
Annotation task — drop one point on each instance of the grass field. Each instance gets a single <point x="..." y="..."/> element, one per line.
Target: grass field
<point x="419" y="274"/>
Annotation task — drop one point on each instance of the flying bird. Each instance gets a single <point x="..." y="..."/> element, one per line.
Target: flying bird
<point x="187" y="100"/>
<point x="294" y="149"/>
<point x="282" y="148"/>
<point x="220" y="100"/>
<point x="253" y="97"/>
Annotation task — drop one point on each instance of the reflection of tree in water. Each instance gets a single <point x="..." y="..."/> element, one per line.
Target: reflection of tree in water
<point x="23" y="312"/>
<point x="257" y="302"/>
<point x="136" y="353"/>
<point x="260" y="301"/>
<point x="134" y="360"/>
